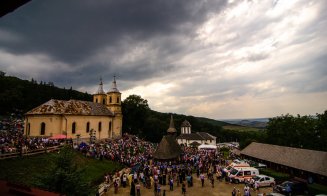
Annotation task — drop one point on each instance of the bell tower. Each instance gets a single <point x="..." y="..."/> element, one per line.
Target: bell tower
<point x="100" y="95"/>
<point x="114" y="105"/>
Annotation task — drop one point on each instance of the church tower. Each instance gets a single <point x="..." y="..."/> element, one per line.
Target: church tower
<point x="186" y="127"/>
<point x="114" y="105"/>
<point x="171" y="130"/>
<point x="100" y="96"/>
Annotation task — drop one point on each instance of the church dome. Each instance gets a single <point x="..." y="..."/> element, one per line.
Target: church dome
<point x="185" y="123"/>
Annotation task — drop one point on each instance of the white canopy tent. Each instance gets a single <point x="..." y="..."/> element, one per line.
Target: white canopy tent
<point x="207" y="147"/>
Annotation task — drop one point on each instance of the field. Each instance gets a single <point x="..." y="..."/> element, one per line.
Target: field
<point x="28" y="170"/>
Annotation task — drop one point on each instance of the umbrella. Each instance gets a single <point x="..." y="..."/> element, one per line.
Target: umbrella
<point x="59" y="136"/>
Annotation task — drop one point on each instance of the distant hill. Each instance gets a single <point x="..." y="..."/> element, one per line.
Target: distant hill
<point x="255" y="122"/>
<point x="17" y="95"/>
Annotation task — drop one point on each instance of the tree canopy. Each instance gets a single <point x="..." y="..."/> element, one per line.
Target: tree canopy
<point x="308" y="132"/>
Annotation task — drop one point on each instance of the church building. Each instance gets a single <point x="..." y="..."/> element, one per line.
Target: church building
<point x="101" y="118"/>
<point x="187" y="137"/>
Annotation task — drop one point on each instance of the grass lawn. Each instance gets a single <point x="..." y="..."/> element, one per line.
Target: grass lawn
<point x="27" y="170"/>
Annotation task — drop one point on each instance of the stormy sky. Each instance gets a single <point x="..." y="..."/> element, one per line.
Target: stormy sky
<point x="218" y="59"/>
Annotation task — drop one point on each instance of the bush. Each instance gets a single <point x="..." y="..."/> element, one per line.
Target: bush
<point x="279" y="177"/>
<point x="315" y="189"/>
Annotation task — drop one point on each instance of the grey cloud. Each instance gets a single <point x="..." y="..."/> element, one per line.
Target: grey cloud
<point x="70" y="31"/>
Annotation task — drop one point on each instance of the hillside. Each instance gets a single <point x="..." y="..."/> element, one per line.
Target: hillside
<point x="17" y="95"/>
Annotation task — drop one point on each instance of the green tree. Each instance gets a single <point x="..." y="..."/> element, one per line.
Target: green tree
<point x="307" y="132"/>
<point x="64" y="176"/>
<point x="135" y="110"/>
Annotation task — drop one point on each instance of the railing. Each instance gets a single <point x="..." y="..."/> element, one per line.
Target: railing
<point x="29" y="153"/>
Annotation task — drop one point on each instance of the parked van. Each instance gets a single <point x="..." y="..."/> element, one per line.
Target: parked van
<point x="235" y="165"/>
<point x="242" y="174"/>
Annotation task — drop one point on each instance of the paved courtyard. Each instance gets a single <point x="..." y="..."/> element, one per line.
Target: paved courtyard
<point x="221" y="189"/>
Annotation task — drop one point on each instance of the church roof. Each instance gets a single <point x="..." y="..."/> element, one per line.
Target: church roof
<point x="185" y="123"/>
<point x="100" y="89"/>
<point x="196" y="136"/>
<point x="114" y="88"/>
<point x="171" y="128"/>
<point x="71" y="107"/>
<point x="168" y="148"/>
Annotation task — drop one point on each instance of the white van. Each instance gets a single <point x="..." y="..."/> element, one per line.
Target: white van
<point x="235" y="165"/>
<point x="242" y="174"/>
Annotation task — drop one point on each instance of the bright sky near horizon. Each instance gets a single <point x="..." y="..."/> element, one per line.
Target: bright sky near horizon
<point x="217" y="59"/>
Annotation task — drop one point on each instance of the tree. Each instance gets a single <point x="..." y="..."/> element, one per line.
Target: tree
<point x="64" y="176"/>
<point x="301" y="131"/>
<point x="135" y="110"/>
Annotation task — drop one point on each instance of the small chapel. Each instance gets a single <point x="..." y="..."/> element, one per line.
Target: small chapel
<point x="101" y="118"/>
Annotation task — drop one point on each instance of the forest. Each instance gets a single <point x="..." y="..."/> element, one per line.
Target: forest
<point x="20" y="96"/>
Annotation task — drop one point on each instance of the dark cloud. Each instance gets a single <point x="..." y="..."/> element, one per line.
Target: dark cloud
<point x="71" y="31"/>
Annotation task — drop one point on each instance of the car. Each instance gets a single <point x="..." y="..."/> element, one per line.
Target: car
<point x="264" y="180"/>
<point x="291" y="188"/>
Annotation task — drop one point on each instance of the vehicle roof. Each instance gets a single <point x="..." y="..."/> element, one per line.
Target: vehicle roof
<point x="245" y="168"/>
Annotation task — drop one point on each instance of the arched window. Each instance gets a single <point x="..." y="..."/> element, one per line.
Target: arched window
<point x="110" y="128"/>
<point x="96" y="100"/>
<point x="42" y="128"/>
<point x="99" y="127"/>
<point x="110" y="99"/>
<point x="117" y="99"/>
<point x="74" y="128"/>
<point x="87" y="127"/>
<point x="28" y="129"/>
<point x="104" y="101"/>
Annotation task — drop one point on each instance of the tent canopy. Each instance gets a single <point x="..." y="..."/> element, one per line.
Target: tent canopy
<point x="207" y="146"/>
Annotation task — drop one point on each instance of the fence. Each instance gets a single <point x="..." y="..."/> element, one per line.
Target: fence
<point x="29" y="153"/>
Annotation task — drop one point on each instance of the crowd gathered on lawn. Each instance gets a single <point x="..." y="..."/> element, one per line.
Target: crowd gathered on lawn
<point x="136" y="155"/>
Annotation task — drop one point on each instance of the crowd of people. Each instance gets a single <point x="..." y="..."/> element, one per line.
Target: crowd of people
<point x="13" y="140"/>
<point x="136" y="154"/>
<point x="128" y="150"/>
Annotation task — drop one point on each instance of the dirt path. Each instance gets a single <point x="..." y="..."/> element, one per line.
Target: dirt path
<point x="221" y="189"/>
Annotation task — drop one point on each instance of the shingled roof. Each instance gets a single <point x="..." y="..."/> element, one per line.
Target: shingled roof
<point x="196" y="136"/>
<point x="168" y="148"/>
<point x="303" y="159"/>
<point x="71" y="107"/>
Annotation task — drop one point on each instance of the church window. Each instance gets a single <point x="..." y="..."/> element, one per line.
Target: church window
<point x="96" y="100"/>
<point x="87" y="127"/>
<point x="110" y="124"/>
<point x="42" y="128"/>
<point x="110" y="99"/>
<point x="74" y="128"/>
<point x="99" y="127"/>
<point x="104" y="101"/>
<point x="28" y="128"/>
<point x="117" y="99"/>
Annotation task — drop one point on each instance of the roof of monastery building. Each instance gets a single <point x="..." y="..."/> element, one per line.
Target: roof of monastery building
<point x="71" y="107"/>
<point x="196" y="136"/>
<point x="304" y="159"/>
